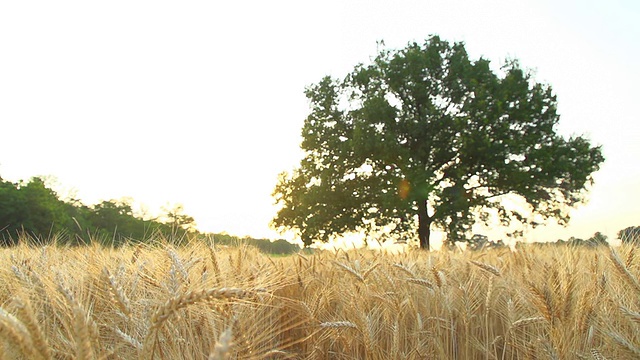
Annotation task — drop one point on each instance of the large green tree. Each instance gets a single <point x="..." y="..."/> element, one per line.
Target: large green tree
<point x="425" y="137"/>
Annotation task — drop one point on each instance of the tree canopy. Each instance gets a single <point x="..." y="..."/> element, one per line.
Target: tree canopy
<point x="425" y="137"/>
<point x="630" y="235"/>
<point x="33" y="208"/>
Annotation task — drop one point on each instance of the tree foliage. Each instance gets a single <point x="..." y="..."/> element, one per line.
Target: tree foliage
<point x="33" y="208"/>
<point x="630" y="235"/>
<point x="424" y="136"/>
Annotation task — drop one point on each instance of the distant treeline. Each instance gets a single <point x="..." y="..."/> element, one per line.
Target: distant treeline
<point x="264" y="245"/>
<point x="32" y="211"/>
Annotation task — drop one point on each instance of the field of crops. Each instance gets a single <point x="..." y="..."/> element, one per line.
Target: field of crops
<point x="203" y="302"/>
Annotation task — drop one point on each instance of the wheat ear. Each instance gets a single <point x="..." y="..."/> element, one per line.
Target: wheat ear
<point x="221" y="350"/>
<point x="351" y="271"/>
<point x="626" y="344"/>
<point x="81" y="328"/>
<point x="422" y="282"/>
<point x="179" y="302"/>
<point x="623" y="270"/>
<point x="31" y="323"/>
<point x="182" y="301"/>
<point x="118" y="294"/>
<point x="129" y="339"/>
<point x="405" y="269"/>
<point x="597" y="355"/>
<point x="438" y="275"/>
<point x="486" y="267"/>
<point x="338" y="325"/>
<point x="526" y="321"/>
<point x="214" y="261"/>
<point x="16" y="332"/>
<point x="632" y="315"/>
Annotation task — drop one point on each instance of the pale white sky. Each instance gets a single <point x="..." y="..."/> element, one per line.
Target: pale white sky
<point x="201" y="102"/>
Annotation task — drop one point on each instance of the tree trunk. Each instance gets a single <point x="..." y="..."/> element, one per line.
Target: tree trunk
<point x="424" y="225"/>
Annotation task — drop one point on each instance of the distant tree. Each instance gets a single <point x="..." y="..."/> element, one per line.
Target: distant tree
<point x="283" y="247"/>
<point x="560" y="242"/>
<point x="178" y="220"/>
<point x="114" y="222"/>
<point x="426" y="136"/>
<point x="598" y="239"/>
<point x="32" y="208"/>
<point x="630" y="235"/>
<point x="574" y="241"/>
<point x="225" y="239"/>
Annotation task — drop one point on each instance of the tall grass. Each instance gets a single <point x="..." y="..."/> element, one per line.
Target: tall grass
<point x="197" y="302"/>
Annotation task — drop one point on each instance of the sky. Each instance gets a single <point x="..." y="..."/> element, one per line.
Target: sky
<point x="201" y="103"/>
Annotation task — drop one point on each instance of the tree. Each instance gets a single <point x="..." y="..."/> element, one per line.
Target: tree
<point x="630" y="235"/>
<point x="178" y="220"/>
<point x="426" y="136"/>
<point x="597" y="239"/>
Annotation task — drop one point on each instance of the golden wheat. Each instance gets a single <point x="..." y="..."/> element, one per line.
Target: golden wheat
<point x="194" y="302"/>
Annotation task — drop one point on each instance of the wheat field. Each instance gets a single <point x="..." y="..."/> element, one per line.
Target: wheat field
<point x="202" y="302"/>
